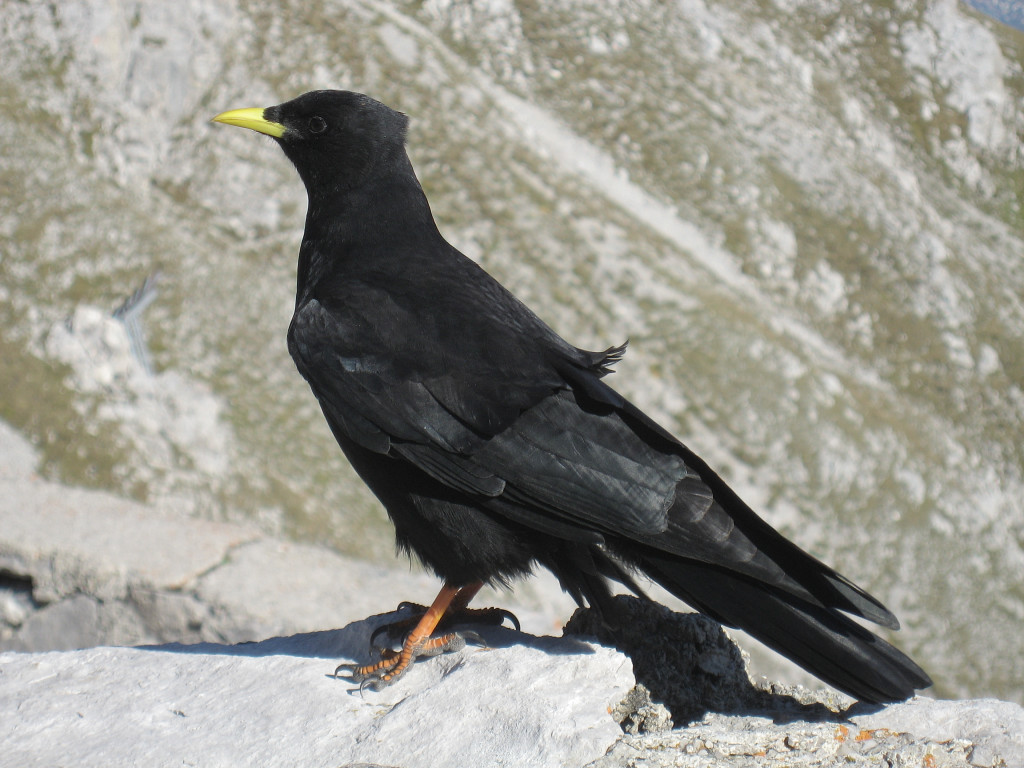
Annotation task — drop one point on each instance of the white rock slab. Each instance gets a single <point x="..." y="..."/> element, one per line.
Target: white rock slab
<point x="525" y="701"/>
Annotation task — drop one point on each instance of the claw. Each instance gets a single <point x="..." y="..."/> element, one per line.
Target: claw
<point x="473" y="637"/>
<point x="369" y="682"/>
<point x="346" y="667"/>
<point x="353" y="673"/>
<point x="511" y="617"/>
<point x="383" y="629"/>
<point x="486" y="616"/>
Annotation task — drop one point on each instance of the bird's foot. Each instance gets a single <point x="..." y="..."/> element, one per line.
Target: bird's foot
<point x="394" y="664"/>
<point x="392" y="631"/>
<point x="426" y="633"/>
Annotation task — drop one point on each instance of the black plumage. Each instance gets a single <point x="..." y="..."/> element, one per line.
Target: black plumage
<point x="495" y="445"/>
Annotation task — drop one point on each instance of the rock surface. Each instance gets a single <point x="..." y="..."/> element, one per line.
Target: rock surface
<point x="533" y="702"/>
<point x="523" y="701"/>
<point x="920" y="732"/>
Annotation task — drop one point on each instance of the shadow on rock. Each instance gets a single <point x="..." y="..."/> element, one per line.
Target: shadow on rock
<point x="686" y="664"/>
<point x="352" y="642"/>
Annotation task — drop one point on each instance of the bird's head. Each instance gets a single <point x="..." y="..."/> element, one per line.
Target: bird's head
<point x="337" y="140"/>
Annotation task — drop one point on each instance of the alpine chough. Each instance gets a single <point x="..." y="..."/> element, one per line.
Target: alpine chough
<point x="497" y="446"/>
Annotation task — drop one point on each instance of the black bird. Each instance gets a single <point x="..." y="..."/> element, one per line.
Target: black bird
<point x="495" y="445"/>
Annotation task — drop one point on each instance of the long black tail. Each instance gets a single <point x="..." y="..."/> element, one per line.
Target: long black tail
<point x="820" y="639"/>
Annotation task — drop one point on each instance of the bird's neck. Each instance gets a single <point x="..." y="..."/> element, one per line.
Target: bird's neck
<point x="344" y="229"/>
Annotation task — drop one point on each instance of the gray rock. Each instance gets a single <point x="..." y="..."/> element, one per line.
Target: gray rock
<point x="637" y="713"/>
<point x="71" y="623"/>
<point x="687" y="663"/>
<point x="524" y="700"/>
<point x="919" y="732"/>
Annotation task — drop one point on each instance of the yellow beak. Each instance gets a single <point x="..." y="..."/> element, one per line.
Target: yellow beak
<point x="252" y="119"/>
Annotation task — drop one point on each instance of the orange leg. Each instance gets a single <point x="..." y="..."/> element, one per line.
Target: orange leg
<point x="464" y="595"/>
<point x="457" y="613"/>
<point x="418" y="642"/>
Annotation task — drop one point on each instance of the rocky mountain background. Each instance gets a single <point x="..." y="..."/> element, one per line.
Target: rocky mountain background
<point x="803" y="214"/>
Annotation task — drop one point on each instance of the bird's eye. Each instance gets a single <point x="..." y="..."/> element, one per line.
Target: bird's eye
<point x="317" y="125"/>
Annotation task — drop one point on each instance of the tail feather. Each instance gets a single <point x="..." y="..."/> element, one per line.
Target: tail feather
<point x="804" y="576"/>
<point x="818" y="638"/>
<point x="861" y="603"/>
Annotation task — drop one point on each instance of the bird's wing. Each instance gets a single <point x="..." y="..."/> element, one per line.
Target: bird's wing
<point x="485" y="409"/>
<point x="575" y="459"/>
